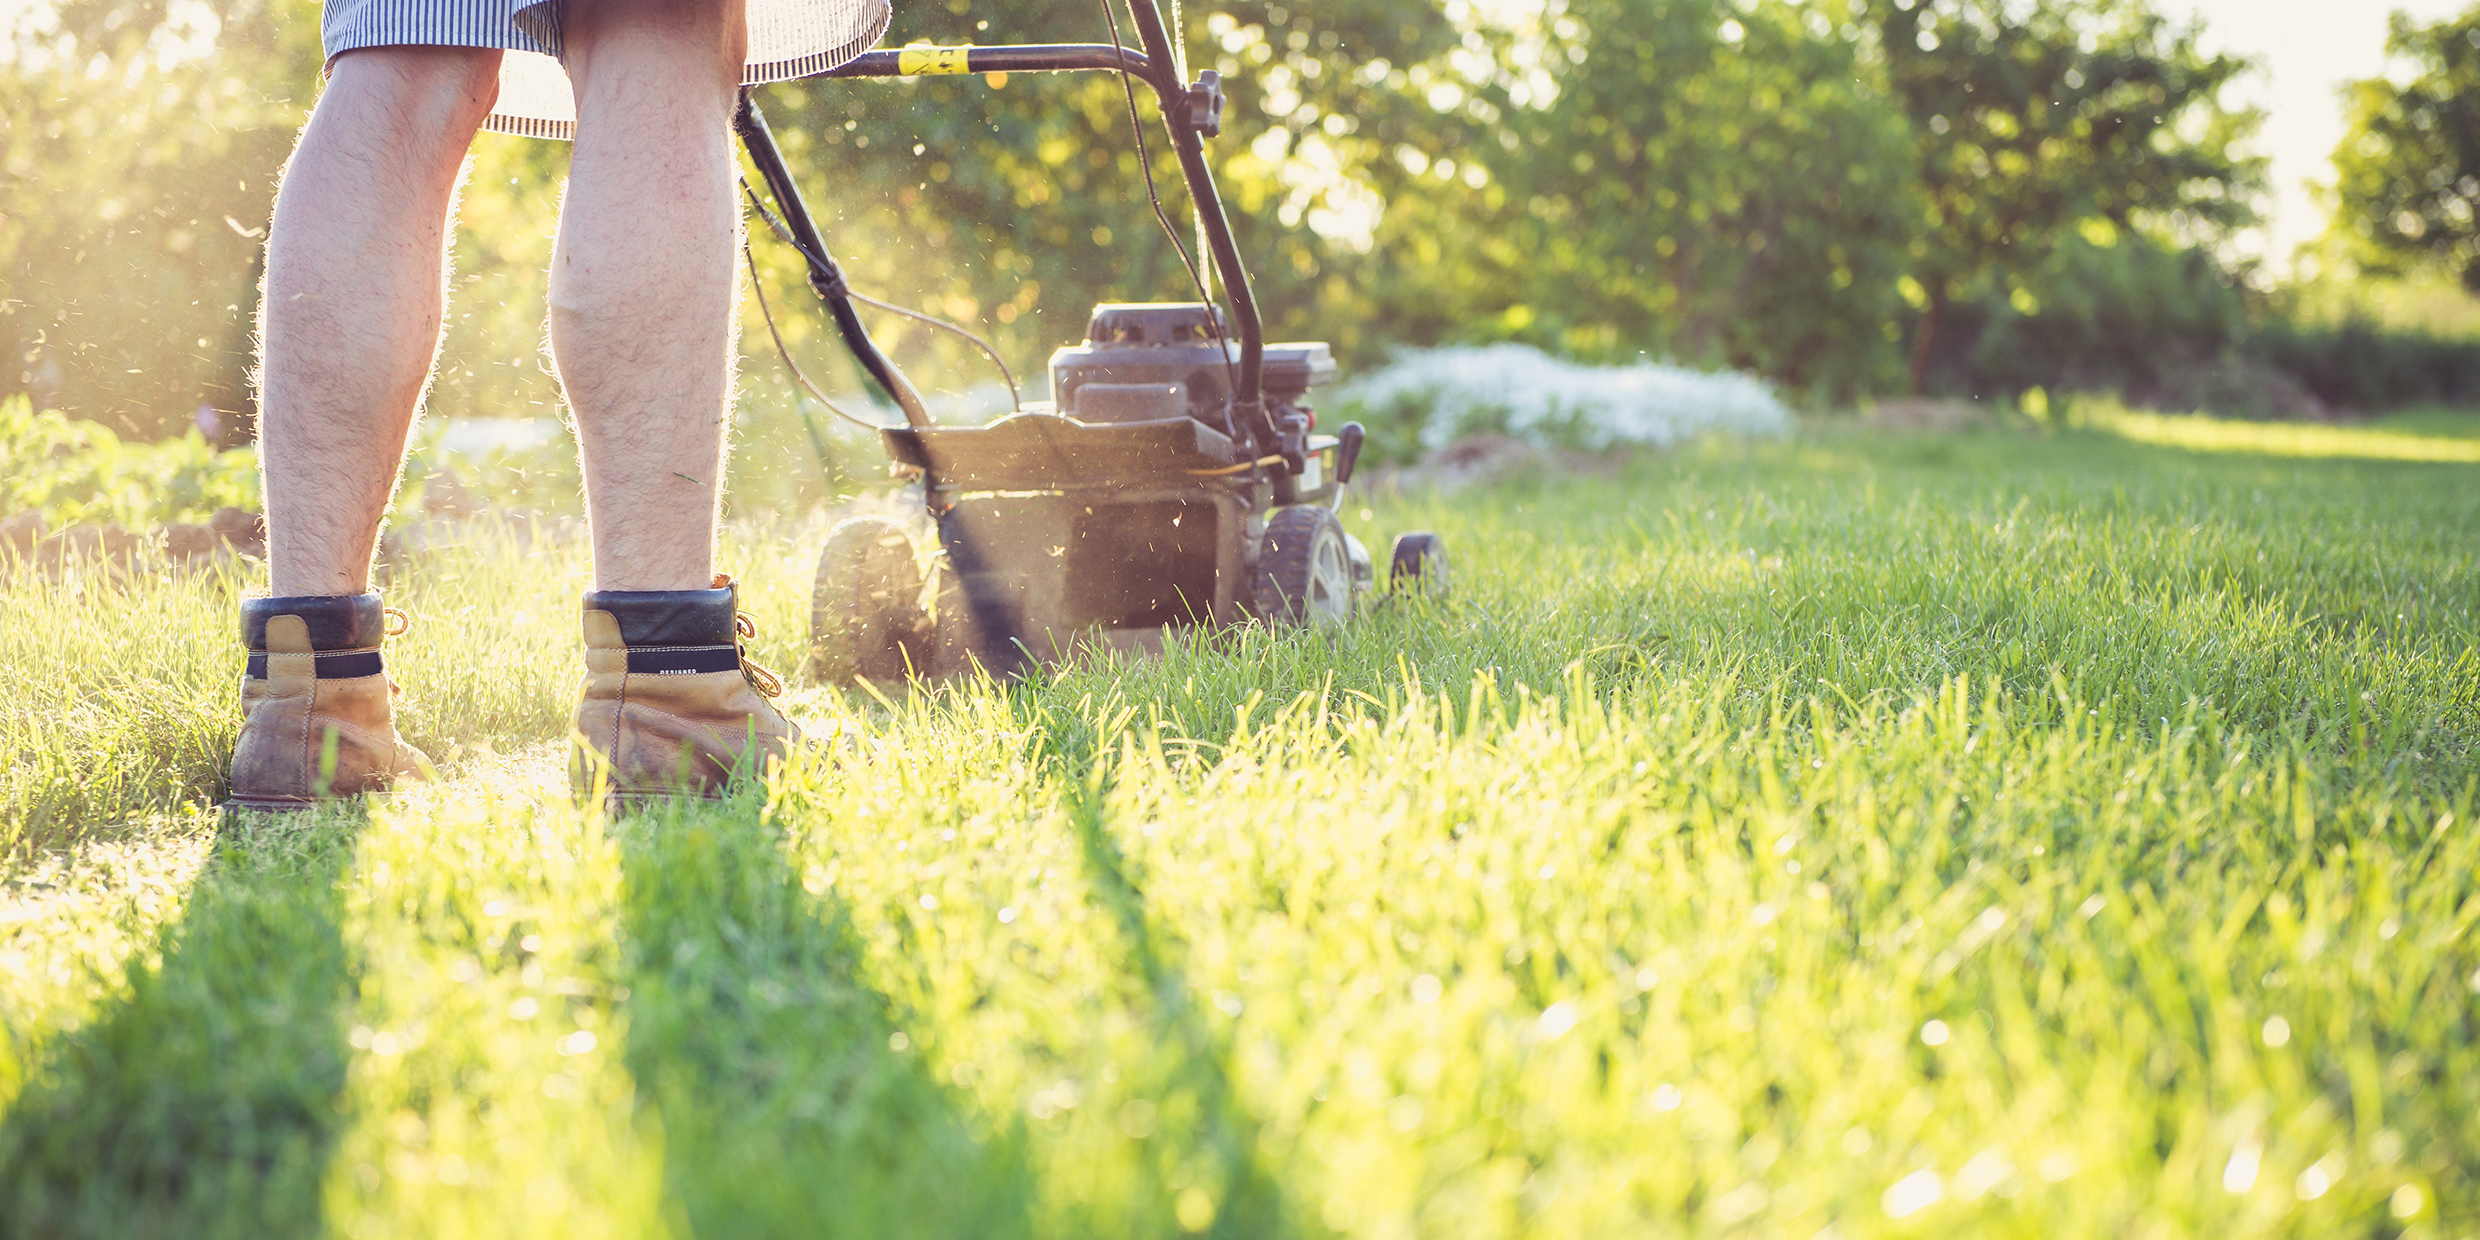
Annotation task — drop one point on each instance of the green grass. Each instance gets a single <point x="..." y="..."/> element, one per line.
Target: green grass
<point x="1891" y="835"/>
<point x="2443" y="422"/>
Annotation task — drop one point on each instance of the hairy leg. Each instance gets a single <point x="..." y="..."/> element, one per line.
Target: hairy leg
<point x="350" y="315"/>
<point x="643" y="284"/>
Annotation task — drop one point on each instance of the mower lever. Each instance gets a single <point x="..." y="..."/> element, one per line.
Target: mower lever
<point x="1292" y="441"/>
<point x="1205" y="104"/>
<point x="1348" y="450"/>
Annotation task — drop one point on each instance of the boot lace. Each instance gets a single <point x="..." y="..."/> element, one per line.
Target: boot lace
<point x="767" y="683"/>
<point x="394" y="624"/>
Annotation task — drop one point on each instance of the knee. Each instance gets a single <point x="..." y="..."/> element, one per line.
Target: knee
<point x="702" y="36"/>
<point x="428" y="95"/>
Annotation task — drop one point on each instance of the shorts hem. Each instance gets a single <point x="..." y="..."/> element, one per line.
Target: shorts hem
<point x="514" y="37"/>
<point x="510" y="41"/>
<point x="531" y="127"/>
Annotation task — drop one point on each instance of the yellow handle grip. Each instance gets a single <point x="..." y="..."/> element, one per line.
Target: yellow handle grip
<point x="921" y="60"/>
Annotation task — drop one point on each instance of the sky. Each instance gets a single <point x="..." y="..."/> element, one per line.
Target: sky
<point x="2306" y="50"/>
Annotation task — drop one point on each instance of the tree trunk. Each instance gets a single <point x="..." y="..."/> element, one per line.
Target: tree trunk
<point x="1924" y="340"/>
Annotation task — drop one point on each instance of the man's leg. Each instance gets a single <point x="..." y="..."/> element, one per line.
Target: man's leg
<point x="643" y="282"/>
<point x="348" y="322"/>
<point x="643" y="289"/>
<point x="350" y="317"/>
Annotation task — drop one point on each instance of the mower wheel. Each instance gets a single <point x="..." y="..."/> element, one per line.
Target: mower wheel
<point x="1304" y="569"/>
<point x="1420" y="565"/>
<point x="865" y="615"/>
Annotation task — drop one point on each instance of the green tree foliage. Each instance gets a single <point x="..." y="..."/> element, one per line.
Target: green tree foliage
<point x="1764" y="185"/>
<point x="2102" y="309"/>
<point x="1702" y="180"/>
<point x="1843" y="195"/>
<point x="2032" y="120"/>
<point x="135" y="178"/>
<point x="2407" y="182"/>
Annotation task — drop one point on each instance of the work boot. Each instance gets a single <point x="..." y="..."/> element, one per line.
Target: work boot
<point x="672" y="705"/>
<point x="317" y="708"/>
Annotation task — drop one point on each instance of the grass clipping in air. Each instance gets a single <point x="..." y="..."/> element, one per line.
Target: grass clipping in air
<point x="1854" y="836"/>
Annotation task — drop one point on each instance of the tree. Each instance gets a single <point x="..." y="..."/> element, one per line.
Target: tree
<point x="2034" y="119"/>
<point x="1753" y="183"/>
<point x="140" y="140"/>
<point x="2407" y="183"/>
<point x="136" y="170"/>
<point x="1723" y="183"/>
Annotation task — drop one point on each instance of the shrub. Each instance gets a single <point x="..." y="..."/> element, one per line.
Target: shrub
<point x="2360" y="365"/>
<point x="1428" y="398"/>
<point x="77" y="472"/>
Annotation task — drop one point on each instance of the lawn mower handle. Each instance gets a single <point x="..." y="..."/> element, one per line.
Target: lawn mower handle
<point x="1190" y="113"/>
<point x="825" y="278"/>
<point x="1187" y="142"/>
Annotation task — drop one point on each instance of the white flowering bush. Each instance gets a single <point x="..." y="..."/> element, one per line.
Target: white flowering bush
<point x="1427" y="399"/>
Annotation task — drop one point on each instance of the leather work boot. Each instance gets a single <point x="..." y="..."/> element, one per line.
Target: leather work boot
<point x="317" y="709"/>
<point x="672" y="706"/>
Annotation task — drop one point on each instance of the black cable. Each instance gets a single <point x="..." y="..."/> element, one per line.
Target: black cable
<point x="758" y="286"/>
<point x="1015" y="401"/>
<point x="1145" y="163"/>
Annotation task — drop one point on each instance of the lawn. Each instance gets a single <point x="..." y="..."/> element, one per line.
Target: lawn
<point x="1856" y="835"/>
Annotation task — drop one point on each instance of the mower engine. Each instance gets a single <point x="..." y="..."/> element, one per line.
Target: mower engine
<point x="1147" y="360"/>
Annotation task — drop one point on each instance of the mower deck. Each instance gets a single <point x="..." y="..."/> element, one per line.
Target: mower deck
<point x="1040" y="450"/>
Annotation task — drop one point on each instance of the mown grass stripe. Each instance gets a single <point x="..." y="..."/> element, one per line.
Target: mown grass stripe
<point x="489" y="1092"/>
<point x="205" y="1099"/>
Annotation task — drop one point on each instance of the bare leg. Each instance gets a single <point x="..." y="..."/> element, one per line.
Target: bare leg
<point x="643" y="286"/>
<point x="349" y="319"/>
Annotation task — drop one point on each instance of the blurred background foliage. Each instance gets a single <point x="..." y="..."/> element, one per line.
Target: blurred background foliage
<point x="2408" y="183"/>
<point x="78" y="472"/>
<point x="139" y="144"/>
<point x="1849" y="197"/>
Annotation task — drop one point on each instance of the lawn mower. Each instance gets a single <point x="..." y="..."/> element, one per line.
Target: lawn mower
<point x="1176" y="479"/>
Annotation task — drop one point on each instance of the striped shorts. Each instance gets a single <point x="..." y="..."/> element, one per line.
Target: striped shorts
<point x="787" y="39"/>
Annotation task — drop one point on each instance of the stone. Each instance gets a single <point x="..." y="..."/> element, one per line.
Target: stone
<point x="89" y="542"/>
<point x="22" y="532"/>
<point x="183" y="541"/>
<point x="242" y="530"/>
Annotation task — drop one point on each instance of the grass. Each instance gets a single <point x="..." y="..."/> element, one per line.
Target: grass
<point x="2399" y="438"/>
<point x="1864" y="835"/>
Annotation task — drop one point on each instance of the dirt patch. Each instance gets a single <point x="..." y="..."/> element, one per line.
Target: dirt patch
<point x="232" y="533"/>
<point x="2238" y="386"/>
<point x="1929" y="413"/>
<point x="1485" y="458"/>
